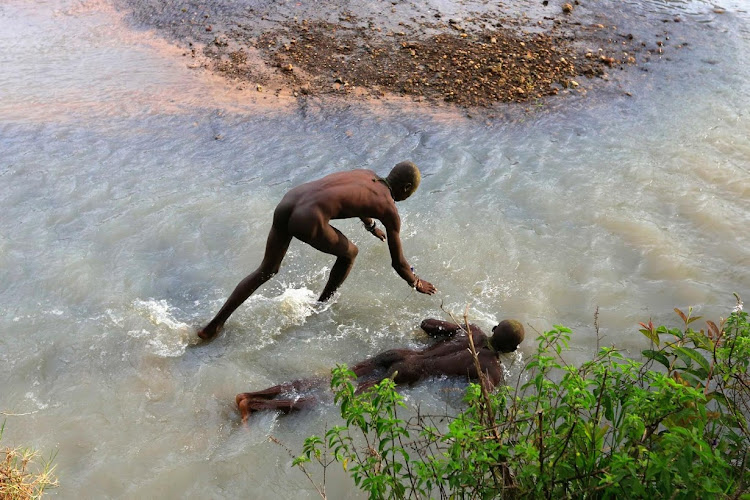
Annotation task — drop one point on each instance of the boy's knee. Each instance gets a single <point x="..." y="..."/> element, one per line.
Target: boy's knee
<point x="353" y="251"/>
<point x="268" y="271"/>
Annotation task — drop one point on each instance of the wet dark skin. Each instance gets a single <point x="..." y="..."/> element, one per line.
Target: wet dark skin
<point x="305" y="213"/>
<point x="449" y="356"/>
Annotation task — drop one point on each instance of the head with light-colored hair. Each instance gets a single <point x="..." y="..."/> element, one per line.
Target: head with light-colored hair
<point x="403" y="180"/>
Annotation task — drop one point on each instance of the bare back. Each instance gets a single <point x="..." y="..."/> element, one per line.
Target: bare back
<point x="450" y="357"/>
<point x="306" y="210"/>
<point x="341" y="195"/>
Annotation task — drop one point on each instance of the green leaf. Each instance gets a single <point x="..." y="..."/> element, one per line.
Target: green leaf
<point x="702" y="341"/>
<point x="691" y="379"/>
<point x="652" y="335"/>
<point x="695" y="356"/>
<point x="720" y="398"/>
<point x="696" y="318"/>
<point x="656" y="356"/>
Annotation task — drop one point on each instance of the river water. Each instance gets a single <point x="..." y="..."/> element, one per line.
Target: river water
<point x="136" y="193"/>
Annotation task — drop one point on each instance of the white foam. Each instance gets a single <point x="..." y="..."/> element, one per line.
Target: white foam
<point x="170" y="337"/>
<point x="34" y="399"/>
<point x="296" y="304"/>
<point x="160" y="312"/>
<point x="291" y="308"/>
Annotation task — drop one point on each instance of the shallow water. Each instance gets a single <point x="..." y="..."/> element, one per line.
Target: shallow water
<point x="138" y="192"/>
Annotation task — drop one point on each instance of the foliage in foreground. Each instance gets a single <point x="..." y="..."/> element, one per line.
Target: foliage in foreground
<point x="23" y="474"/>
<point x="675" y="426"/>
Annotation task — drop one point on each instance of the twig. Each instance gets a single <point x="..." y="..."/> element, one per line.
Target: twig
<point x="541" y="451"/>
<point x="596" y="328"/>
<point x="9" y="414"/>
<point x="320" y="490"/>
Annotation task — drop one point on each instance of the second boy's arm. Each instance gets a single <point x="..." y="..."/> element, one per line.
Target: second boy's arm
<point x="438" y="329"/>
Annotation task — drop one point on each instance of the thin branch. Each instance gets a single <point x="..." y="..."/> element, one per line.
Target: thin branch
<point x="10" y="414"/>
<point x="321" y="489"/>
<point x="596" y="329"/>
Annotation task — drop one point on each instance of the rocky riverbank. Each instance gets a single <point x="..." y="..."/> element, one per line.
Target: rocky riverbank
<point x="466" y="53"/>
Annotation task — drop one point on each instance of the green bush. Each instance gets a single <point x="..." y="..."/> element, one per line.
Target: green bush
<point x="674" y="426"/>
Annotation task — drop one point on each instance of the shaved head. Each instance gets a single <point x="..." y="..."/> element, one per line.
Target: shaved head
<point x="507" y="335"/>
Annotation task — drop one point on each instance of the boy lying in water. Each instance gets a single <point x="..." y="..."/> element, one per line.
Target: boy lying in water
<point x="449" y="356"/>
